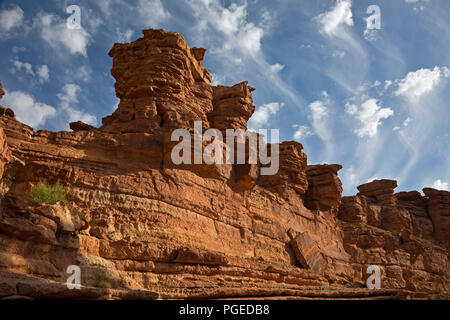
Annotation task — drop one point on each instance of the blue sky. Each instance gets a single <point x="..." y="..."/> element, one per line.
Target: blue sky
<point x="373" y="100"/>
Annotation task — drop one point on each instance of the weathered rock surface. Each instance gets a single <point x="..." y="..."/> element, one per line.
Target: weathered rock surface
<point x="5" y="155"/>
<point x="291" y="175"/>
<point x="308" y="253"/>
<point x="394" y="231"/>
<point x="233" y="106"/>
<point x="2" y="93"/>
<point x="438" y="207"/>
<point x="324" y="187"/>
<point x="157" y="230"/>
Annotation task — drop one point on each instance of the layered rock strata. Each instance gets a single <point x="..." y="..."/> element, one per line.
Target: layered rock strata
<point x="147" y="228"/>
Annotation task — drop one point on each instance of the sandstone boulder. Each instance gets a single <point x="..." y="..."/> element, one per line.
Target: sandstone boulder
<point x="81" y="126"/>
<point x="308" y="253"/>
<point x="380" y="191"/>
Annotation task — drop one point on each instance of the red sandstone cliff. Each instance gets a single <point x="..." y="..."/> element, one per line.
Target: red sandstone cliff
<point x="159" y="230"/>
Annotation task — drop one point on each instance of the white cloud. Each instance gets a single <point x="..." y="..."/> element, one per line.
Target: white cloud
<point x="55" y="32"/>
<point x="217" y="79"/>
<point x="350" y="177"/>
<point x="262" y="115"/>
<point x="104" y="6"/>
<point x="405" y="124"/>
<point x="43" y="73"/>
<point x="152" y="13"/>
<point x="407" y="121"/>
<point x="236" y="41"/>
<point x="331" y="21"/>
<point x="231" y="24"/>
<point x="319" y="118"/>
<point x="371" y="34"/>
<point x="28" y="110"/>
<point x="440" y="185"/>
<point x="301" y="132"/>
<point x="124" y="37"/>
<point x="275" y="68"/>
<point x="69" y="94"/>
<point x="420" y="82"/>
<point x="19" y="66"/>
<point x="445" y="71"/>
<point x="68" y="97"/>
<point x="338" y="54"/>
<point x="11" y="18"/>
<point x="369" y="115"/>
<point x="419" y="5"/>
<point x="387" y="84"/>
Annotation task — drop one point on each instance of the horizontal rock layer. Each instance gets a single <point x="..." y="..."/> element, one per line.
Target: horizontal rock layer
<point x="145" y="228"/>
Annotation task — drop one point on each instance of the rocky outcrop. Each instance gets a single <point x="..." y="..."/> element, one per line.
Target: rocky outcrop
<point x="324" y="187"/>
<point x="291" y="176"/>
<point x="416" y="204"/>
<point x="5" y="155"/>
<point x="81" y="126"/>
<point x="140" y="226"/>
<point x="379" y="191"/>
<point x="233" y="106"/>
<point x="394" y="231"/>
<point x="2" y="93"/>
<point x="161" y="83"/>
<point x="438" y="207"/>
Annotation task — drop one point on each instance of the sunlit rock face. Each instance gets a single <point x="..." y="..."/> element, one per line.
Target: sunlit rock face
<point x="139" y="226"/>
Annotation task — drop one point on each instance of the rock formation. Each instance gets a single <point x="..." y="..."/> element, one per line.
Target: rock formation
<point x="139" y="226"/>
<point x="2" y="93"/>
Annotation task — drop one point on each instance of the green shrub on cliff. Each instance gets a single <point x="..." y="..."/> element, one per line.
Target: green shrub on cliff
<point x="102" y="280"/>
<point x="44" y="193"/>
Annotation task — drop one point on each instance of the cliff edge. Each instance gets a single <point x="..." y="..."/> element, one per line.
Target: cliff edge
<point x="140" y="227"/>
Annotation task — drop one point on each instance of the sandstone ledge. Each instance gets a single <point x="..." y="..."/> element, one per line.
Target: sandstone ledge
<point x="207" y="231"/>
